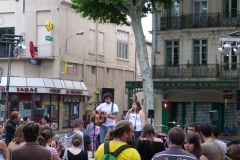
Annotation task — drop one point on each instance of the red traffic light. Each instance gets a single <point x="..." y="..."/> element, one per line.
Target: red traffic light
<point x="165" y="105"/>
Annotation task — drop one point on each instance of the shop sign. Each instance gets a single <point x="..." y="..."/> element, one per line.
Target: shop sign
<point x="73" y="92"/>
<point x="54" y="90"/>
<point x="20" y="89"/>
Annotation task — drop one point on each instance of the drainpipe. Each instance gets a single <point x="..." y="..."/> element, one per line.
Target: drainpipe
<point x="96" y="52"/>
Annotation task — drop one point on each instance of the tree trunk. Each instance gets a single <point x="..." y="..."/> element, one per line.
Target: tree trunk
<point x="142" y="55"/>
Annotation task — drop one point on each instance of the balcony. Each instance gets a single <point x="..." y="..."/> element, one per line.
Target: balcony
<point x="44" y="51"/>
<point x="207" y="20"/>
<point x="196" y="71"/>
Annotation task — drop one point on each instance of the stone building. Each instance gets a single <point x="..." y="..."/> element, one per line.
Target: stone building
<point x="70" y="65"/>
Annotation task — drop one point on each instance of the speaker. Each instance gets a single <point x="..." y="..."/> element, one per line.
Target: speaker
<point x="107" y="90"/>
<point x="238" y="99"/>
<point x="213" y="115"/>
<point x="150" y="113"/>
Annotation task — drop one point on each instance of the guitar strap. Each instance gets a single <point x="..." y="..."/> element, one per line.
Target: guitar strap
<point x="112" y="108"/>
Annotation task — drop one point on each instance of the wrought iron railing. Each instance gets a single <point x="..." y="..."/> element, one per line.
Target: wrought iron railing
<point x="228" y="71"/>
<point x="206" y="20"/>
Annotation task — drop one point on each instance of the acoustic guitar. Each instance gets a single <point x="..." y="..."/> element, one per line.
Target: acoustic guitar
<point x="100" y="118"/>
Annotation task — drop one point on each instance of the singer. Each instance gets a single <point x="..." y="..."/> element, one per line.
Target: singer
<point x="137" y="117"/>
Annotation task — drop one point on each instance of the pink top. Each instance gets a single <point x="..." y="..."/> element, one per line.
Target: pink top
<point x="53" y="152"/>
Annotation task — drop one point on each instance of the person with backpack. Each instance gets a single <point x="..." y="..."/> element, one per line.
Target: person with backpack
<point x="118" y="148"/>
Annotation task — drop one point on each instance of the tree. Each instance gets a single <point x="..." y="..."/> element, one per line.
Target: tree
<point x="116" y="11"/>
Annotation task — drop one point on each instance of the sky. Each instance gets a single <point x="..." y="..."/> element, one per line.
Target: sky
<point x="147" y="26"/>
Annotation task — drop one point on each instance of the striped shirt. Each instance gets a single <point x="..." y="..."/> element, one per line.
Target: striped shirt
<point x="174" y="153"/>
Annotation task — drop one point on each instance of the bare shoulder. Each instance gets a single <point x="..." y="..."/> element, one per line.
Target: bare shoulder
<point x="202" y="157"/>
<point x="158" y="140"/>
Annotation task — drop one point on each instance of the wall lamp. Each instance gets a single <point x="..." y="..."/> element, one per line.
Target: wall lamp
<point x="79" y="33"/>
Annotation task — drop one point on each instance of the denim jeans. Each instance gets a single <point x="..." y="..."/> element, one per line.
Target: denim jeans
<point x="135" y="137"/>
<point x="103" y="132"/>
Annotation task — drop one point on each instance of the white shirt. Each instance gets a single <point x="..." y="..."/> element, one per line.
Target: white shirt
<point x="104" y="107"/>
<point x="137" y="117"/>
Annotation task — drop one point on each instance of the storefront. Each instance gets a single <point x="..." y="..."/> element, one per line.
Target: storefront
<point x="34" y="97"/>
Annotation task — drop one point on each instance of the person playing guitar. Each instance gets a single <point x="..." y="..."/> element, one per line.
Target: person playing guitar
<point x="110" y="109"/>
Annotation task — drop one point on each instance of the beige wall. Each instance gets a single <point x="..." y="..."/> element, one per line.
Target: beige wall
<point x="112" y="72"/>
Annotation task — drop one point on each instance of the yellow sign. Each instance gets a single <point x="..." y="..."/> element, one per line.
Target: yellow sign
<point x="65" y="67"/>
<point x="49" y="26"/>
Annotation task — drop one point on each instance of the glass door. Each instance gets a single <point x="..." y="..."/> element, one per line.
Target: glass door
<point x="229" y="13"/>
<point x="200" y="14"/>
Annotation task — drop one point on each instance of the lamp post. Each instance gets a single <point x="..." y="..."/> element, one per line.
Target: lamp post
<point x="11" y="40"/>
<point x="79" y="33"/>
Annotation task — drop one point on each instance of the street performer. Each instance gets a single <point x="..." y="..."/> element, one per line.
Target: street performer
<point x="108" y="111"/>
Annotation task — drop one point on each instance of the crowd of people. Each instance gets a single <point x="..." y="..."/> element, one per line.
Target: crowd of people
<point x="128" y="139"/>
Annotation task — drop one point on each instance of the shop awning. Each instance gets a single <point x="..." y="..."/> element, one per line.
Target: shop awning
<point x="44" y="85"/>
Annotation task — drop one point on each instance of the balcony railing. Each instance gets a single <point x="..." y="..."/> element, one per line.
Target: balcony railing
<point x="206" y="20"/>
<point x="230" y="71"/>
<point x="44" y="51"/>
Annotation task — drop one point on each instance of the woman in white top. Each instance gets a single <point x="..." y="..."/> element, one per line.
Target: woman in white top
<point x="137" y="117"/>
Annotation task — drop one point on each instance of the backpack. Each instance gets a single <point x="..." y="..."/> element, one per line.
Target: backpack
<point x="113" y="155"/>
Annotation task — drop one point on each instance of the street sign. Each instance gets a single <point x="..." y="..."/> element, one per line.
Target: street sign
<point x="34" y="62"/>
<point x="49" y="38"/>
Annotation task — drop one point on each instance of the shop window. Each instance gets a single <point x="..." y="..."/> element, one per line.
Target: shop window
<point x="202" y="112"/>
<point x="69" y="113"/>
<point x="14" y="97"/>
<point x="50" y="106"/>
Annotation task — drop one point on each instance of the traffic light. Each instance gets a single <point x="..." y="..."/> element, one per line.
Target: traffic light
<point x="165" y="105"/>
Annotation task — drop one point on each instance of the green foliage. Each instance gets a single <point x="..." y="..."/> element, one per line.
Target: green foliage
<point x="116" y="11"/>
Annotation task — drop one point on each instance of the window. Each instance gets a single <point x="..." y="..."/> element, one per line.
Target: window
<point x="200" y="14"/>
<point x="122" y="45"/>
<point x="173" y="16"/>
<point x="93" y="69"/>
<point x="100" y="43"/>
<point x="70" y="113"/>
<point x="230" y="61"/>
<point x="172" y="55"/>
<point x="229" y="8"/>
<point x="149" y="62"/>
<point x="91" y="41"/>
<point x="200" y="52"/>
<point x="71" y="68"/>
<point x="4" y="47"/>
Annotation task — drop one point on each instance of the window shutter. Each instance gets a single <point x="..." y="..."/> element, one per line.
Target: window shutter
<point x="100" y="43"/>
<point x="91" y="41"/>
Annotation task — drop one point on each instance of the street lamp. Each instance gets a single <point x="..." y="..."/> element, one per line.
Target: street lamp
<point x="14" y="40"/>
<point x="79" y="33"/>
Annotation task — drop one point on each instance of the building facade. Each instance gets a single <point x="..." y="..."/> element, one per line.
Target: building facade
<point x="187" y="39"/>
<point x="190" y="76"/>
<point x="69" y="65"/>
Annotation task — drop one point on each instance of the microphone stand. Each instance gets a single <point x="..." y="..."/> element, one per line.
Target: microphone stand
<point x="94" y="126"/>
